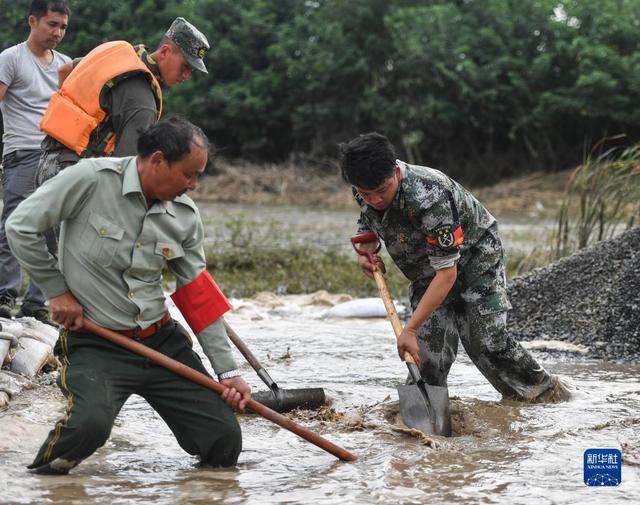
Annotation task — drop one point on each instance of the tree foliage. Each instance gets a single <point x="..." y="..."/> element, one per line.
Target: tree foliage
<point x="480" y="88"/>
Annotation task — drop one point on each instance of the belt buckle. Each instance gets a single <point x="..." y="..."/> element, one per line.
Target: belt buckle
<point x="135" y="335"/>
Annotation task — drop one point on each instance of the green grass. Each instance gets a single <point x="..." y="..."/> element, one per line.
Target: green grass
<point x="295" y="270"/>
<point x="245" y="259"/>
<point x="603" y="198"/>
<point x="298" y="270"/>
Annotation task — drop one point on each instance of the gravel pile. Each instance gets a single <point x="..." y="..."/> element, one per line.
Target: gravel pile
<point x="591" y="298"/>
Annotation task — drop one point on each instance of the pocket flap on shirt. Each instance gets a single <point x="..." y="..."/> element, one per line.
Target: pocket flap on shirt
<point x="170" y="250"/>
<point x="492" y="304"/>
<point x="104" y="227"/>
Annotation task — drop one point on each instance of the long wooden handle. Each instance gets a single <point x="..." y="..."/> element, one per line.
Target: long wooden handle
<point x="391" y="308"/>
<point x="193" y="375"/>
<point x="242" y="347"/>
<point x="388" y="302"/>
<point x="253" y="361"/>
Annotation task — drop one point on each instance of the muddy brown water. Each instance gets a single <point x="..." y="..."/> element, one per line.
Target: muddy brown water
<point x="501" y="453"/>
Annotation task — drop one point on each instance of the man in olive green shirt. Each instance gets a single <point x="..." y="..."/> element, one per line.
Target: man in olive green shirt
<point x="123" y="220"/>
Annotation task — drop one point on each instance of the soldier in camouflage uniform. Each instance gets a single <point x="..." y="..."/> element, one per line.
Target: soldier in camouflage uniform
<point x="447" y="244"/>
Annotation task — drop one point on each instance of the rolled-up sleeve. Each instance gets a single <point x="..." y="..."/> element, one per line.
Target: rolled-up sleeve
<point x="440" y="225"/>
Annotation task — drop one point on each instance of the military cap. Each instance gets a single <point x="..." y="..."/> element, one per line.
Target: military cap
<point x="192" y="43"/>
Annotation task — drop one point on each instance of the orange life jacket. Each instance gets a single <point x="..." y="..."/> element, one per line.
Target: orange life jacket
<point x="74" y="111"/>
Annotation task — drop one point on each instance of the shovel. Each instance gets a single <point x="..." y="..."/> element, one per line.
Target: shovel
<point x="280" y="400"/>
<point x="423" y="407"/>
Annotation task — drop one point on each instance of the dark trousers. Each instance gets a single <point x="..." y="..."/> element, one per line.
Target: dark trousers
<point x="18" y="179"/>
<point x="98" y="376"/>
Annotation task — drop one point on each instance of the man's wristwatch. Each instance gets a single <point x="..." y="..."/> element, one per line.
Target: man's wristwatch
<point x="229" y="374"/>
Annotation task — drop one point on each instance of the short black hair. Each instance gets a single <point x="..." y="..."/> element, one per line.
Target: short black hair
<point x="166" y="40"/>
<point x="40" y="8"/>
<point x="367" y="160"/>
<point x="173" y="136"/>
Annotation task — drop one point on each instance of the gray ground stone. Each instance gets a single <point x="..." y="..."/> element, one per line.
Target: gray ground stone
<point x="591" y="298"/>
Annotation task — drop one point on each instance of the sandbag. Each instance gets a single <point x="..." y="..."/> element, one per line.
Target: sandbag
<point x="11" y="326"/>
<point x="33" y="328"/>
<point x="31" y="356"/>
<point x="5" y="343"/>
<point x="362" y="307"/>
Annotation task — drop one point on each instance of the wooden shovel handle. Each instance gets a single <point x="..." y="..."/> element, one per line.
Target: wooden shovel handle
<point x="388" y="302"/>
<point x="242" y="347"/>
<point x="391" y="309"/>
<point x="193" y="375"/>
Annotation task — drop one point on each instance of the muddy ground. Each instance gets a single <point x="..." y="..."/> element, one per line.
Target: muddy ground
<point x="537" y="193"/>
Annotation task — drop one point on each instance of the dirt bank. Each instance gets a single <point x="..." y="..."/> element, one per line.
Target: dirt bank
<point x="591" y="298"/>
<point x="288" y="184"/>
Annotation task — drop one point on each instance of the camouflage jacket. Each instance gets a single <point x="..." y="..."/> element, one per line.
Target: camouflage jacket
<point x="434" y="223"/>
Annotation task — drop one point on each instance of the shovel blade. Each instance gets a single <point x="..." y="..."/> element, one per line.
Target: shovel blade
<point x="439" y="400"/>
<point x="285" y="400"/>
<point x="414" y="409"/>
<point x="426" y="409"/>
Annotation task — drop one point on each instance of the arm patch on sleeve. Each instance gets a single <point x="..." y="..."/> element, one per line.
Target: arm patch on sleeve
<point x="201" y="302"/>
<point x="446" y="238"/>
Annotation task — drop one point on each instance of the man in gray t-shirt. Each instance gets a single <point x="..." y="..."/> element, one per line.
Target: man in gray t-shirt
<point x="28" y="77"/>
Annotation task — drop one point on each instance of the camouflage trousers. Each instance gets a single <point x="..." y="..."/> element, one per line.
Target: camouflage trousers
<point x="502" y="360"/>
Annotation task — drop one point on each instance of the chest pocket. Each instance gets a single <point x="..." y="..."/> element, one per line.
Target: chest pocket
<point x="168" y="250"/>
<point x="102" y="239"/>
<point x="162" y="252"/>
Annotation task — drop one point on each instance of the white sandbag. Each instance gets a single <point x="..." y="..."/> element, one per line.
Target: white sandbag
<point x="10" y="385"/>
<point x="11" y="326"/>
<point x="5" y="343"/>
<point x="31" y="356"/>
<point x="362" y="307"/>
<point x="4" y="399"/>
<point x="39" y="330"/>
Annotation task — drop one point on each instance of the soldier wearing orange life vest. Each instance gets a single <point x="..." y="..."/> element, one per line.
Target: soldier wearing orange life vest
<point x="112" y="94"/>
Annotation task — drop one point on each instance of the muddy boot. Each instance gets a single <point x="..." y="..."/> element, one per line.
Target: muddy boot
<point x="556" y="392"/>
<point x="50" y="469"/>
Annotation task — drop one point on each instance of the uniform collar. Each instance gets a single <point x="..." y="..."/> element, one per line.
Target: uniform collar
<point x="399" y="200"/>
<point x="163" y="207"/>
<point x="131" y="179"/>
<point x="144" y="54"/>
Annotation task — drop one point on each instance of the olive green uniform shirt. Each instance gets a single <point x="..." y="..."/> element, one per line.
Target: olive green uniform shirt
<point x="113" y="248"/>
